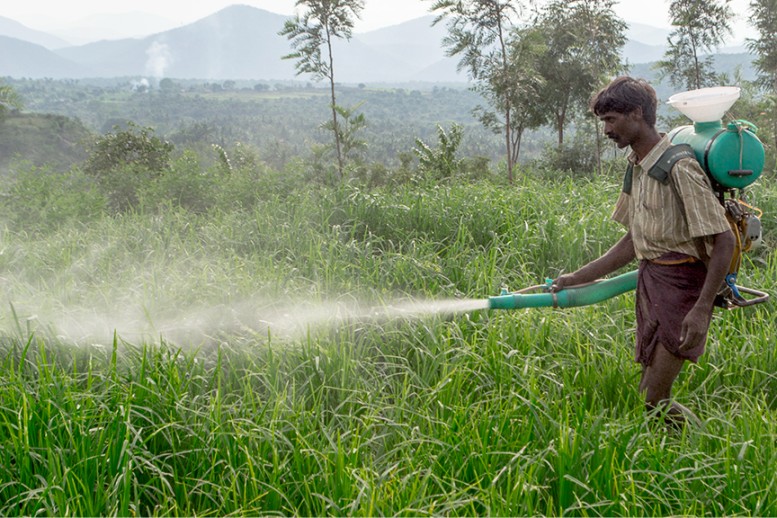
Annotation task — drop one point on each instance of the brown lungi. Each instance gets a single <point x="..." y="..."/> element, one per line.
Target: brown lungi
<point x="667" y="289"/>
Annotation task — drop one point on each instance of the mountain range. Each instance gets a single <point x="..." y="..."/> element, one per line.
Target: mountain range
<point x="242" y="43"/>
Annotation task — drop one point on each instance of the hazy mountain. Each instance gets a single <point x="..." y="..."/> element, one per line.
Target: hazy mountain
<point x="242" y="42"/>
<point x="635" y="52"/>
<point x="14" y="29"/>
<point x="415" y="42"/>
<point x="134" y="24"/>
<point x="24" y="59"/>
<point x="647" y="34"/>
<point x="238" y="42"/>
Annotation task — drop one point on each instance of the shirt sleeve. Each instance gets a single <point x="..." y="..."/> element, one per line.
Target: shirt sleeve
<point x="621" y="212"/>
<point x="704" y="213"/>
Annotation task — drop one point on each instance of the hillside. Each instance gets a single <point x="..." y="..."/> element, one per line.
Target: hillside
<point x="42" y="140"/>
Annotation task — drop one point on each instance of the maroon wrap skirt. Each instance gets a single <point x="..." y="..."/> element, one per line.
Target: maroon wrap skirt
<point x="665" y="294"/>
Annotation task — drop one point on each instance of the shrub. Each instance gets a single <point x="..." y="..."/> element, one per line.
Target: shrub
<point x="440" y="163"/>
<point x="124" y="161"/>
<point x="39" y="200"/>
<point x="183" y="185"/>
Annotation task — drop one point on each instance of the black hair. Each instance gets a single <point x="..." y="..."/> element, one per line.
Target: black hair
<point x="624" y="95"/>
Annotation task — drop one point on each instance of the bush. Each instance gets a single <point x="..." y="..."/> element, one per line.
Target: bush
<point x="183" y="185"/>
<point x="578" y="158"/>
<point x="125" y="161"/>
<point x="39" y="200"/>
<point x="440" y="163"/>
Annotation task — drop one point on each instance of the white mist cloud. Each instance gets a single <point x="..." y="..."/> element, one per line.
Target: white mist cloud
<point x="134" y="322"/>
<point x="159" y="59"/>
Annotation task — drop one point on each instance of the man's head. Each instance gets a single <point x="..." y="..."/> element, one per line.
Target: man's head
<point x="625" y="95"/>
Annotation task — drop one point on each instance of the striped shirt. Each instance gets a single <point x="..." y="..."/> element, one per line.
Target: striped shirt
<point x="661" y="221"/>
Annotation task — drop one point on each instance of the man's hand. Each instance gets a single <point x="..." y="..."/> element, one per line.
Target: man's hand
<point x="564" y="281"/>
<point x="695" y="325"/>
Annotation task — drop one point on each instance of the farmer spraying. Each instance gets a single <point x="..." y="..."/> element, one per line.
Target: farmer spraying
<point x="676" y="228"/>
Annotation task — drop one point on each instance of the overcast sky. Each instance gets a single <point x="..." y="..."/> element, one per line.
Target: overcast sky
<point x="40" y="14"/>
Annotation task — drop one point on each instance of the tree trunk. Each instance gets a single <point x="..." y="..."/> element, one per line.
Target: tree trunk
<point x="335" y="126"/>
<point x="508" y="107"/>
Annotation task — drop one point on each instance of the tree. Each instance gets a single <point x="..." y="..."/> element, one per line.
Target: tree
<point x="9" y="99"/>
<point x="763" y="18"/>
<point x="478" y="31"/>
<point x="168" y="86"/>
<point x="349" y="125"/>
<point x="699" y="27"/>
<point x="523" y="88"/>
<point x="125" y="161"/>
<point x="583" y="39"/>
<point x="323" y="21"/>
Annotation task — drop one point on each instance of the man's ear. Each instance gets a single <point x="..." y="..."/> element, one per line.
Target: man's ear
<point x="636" y="113"/>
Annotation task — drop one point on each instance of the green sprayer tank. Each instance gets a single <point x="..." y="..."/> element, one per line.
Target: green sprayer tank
<point x="730" y="154"/>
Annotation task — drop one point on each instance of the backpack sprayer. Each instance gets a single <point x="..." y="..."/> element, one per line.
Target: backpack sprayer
<point x="733" y="158"/>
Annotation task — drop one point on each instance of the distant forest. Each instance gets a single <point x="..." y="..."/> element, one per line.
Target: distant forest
<point x="281" y="121"/>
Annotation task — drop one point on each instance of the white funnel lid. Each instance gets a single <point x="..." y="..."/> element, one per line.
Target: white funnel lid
<point x="705" y="104"/>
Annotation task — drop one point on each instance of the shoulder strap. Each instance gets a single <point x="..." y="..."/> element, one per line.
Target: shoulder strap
<point x="627" y="178"/>
<point x="660" y="171"/>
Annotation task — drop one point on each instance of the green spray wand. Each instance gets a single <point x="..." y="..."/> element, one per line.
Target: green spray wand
<point x="573" y="296"/>
<point x="598" y="291"/>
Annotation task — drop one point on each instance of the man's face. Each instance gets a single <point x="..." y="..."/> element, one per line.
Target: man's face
<point x="622" y="128"/>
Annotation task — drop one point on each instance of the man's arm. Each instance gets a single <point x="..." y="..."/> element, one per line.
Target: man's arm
<point x="621" y="254"/>
<point x="697" y="321"/>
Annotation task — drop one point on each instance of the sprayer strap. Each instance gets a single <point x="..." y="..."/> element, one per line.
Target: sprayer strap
<point x="663" y="166"/>
<point x="627" y="178"/>
<point x="660" y="171"/>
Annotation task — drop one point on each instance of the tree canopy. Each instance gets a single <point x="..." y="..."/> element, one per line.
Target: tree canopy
<point x="699" y="27"/>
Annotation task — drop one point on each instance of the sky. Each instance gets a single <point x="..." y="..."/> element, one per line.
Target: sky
<point x="43" y="14"/>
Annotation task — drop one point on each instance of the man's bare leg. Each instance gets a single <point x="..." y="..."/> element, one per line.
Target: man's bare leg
<point x="656" y="384"/>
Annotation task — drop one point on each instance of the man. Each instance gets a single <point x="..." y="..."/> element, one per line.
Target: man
<point x="678" y="231"/>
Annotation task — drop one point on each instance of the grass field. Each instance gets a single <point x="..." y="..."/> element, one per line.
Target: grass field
<point x="258" y="361"/>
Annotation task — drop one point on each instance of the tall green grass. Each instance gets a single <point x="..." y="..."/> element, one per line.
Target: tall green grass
<point x="527" y="412"/>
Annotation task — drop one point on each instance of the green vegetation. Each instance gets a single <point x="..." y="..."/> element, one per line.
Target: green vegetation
<point x="139" y="376"/>
<point x="281" y="123"/>
<point x="45" y="140"/>
<point x="533" y="72"/>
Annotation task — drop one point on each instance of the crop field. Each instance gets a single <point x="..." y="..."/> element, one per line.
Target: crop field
<point x="320" y="351"/>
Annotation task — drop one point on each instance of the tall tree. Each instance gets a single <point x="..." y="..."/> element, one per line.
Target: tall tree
<point x="584" y="39"/>
<point x="763" y="18"/>
<point x="522" y="90"/>
<point x="699" y="28"/>
<point x="321" y="23"/>
<point x="478" y="32"/>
